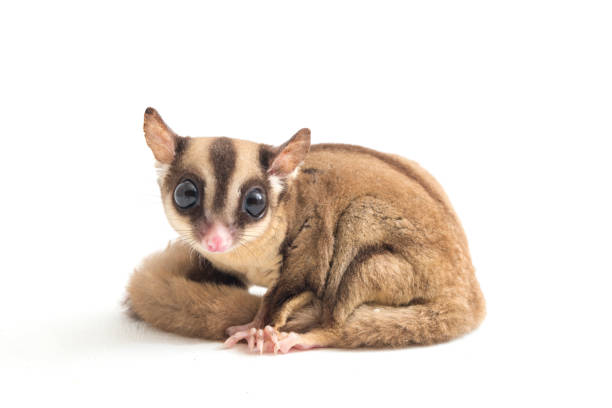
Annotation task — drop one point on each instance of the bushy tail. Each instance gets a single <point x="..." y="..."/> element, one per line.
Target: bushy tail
<point x="160" y="293"/>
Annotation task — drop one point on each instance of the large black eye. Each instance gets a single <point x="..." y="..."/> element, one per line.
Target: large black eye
<point x="254" y="202"/>
<point x="186" y="194"/>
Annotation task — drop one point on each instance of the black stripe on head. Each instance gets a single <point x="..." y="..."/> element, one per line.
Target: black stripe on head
<point x="266" y="155"/>
<point x="180" y="146"/>
<point x="222" y="155"/>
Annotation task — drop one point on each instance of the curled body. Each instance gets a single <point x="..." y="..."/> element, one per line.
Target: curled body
<point x="356" y="247"/>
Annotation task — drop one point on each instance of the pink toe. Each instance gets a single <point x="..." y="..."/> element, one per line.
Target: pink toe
<point x="260" y="341"/>
<point x="232" y="340"/>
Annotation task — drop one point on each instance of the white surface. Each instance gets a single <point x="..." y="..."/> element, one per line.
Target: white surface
<point x="508" y="105"/>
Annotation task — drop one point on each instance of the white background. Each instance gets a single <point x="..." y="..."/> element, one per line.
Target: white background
<point x="507" y="103"/>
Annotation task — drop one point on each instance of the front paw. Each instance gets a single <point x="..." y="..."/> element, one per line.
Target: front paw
<point x="268" y="340"/>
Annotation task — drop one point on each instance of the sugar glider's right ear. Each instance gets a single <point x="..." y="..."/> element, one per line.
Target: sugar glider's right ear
<point x="291" y="154"/>
<point x="160" y="138"/>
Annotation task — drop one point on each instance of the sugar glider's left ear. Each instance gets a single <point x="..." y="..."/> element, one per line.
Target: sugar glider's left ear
<point x="160" y="138"/>
<point x="291" y="154"/>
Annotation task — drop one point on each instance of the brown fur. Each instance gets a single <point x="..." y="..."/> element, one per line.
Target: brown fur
<point x="375" y="236"/>
<point x="370" y="237"/>
<point x="161" y="293"/>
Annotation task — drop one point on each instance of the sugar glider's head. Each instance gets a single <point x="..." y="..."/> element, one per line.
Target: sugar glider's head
<point x="219" y="193"/>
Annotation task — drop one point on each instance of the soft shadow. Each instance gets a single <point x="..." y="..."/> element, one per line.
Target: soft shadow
<point x="113" y="330"/>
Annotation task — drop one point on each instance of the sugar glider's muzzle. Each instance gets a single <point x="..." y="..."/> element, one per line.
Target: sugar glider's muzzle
<point x="217" y="238"/>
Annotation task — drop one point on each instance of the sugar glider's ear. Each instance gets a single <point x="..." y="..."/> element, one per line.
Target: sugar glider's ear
<point x="290" y="154"/>
<point x="160" y="138"/>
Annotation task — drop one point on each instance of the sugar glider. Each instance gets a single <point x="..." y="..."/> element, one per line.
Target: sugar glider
<point x="356" y="247"/>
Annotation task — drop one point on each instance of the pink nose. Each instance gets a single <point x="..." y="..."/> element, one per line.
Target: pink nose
<point x="215" y="244"/>
<point x="217" y="238"/>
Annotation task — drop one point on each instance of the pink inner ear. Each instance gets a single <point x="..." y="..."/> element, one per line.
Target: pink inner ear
<point x="159" y="137"/>
<point x="292" y="154"/>
<point x="162" y="147"/>
<point x="282" y="165"/>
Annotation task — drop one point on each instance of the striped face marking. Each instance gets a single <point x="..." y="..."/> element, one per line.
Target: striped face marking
<point x="220" y="194"/>
<point x="222" y="157"/>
